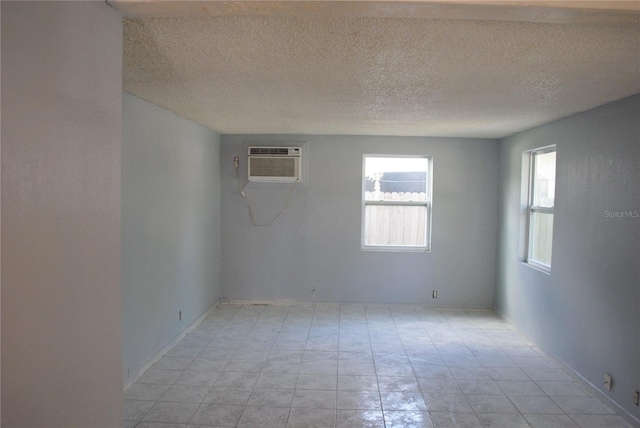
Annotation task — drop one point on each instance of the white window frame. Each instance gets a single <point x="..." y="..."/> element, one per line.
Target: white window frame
<point x="427" y="204"/>
<point x="533" y="209"/>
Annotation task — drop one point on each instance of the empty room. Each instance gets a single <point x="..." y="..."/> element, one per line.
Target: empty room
<point x="298" y="214"/>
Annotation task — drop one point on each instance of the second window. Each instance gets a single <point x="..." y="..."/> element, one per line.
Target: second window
<point x="542" y="184"/>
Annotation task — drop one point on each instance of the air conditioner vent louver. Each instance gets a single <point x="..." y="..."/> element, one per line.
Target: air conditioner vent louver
<point x="274" y="151"/>
<point x="274" y="164"/>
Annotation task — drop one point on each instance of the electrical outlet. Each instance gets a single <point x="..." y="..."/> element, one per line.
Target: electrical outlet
<point x="636" y="397"/>
<point x="608" y="382"/>
<point x="434" y="294"/>
<point x="313" y="293"/>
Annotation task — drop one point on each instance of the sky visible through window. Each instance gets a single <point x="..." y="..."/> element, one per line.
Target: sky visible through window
<point x="376" y="165"/>
<point x="545" y="179"/>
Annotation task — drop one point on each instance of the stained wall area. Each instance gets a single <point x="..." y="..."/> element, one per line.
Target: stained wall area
<point x="61" y="295"/>
<point x="585" y="311"/>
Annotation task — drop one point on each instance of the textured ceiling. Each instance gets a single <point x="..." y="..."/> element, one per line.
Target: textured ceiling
<point x="377" y="76"/>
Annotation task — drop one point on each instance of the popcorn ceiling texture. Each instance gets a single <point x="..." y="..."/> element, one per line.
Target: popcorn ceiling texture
<point x="377" y="76"/>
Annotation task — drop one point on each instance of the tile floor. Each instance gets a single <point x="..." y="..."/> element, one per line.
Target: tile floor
<point x="356" y="366"/>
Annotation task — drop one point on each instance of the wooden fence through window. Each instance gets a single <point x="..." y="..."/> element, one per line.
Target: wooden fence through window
<point x="395" y="224"/>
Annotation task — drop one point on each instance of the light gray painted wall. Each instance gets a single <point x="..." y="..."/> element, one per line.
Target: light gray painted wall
<point x="0" y="222"/>
<point x="315" y="244"/>
<point x="61" y="295"/>
<point x="170" y="227"/>
<point x="587" y="311"/>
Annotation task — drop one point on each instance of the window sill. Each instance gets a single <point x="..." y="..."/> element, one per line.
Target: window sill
<point x="391" y="249"/>
<point x="538" y="267"/>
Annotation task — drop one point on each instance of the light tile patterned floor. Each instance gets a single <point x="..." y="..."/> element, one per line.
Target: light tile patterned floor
<point x="355" y="366"/>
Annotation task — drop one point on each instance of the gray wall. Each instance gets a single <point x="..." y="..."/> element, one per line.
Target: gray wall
<point x="586" y="311"/>
<point x="170" y="227"/>
<point x="315" y="244"/>
<point x="61" y="295"/>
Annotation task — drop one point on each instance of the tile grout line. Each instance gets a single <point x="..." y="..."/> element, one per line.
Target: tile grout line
<point x="222" y="371"/>
<point x="384" y="421"/>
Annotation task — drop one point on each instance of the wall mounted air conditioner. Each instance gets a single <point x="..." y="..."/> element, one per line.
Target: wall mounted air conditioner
<point x="274" y="164"/>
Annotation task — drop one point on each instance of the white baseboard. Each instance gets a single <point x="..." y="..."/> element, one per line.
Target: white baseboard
<point x="621" y="411"/>
<point x="137" y="373"/>
<point x="597" y="392"/>
<point x="311" y="303"/>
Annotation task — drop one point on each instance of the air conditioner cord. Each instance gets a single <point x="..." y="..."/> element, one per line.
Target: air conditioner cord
<point x="244" y="195"/>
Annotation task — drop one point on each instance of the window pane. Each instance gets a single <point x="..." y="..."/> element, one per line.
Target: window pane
<point x="395" y="179"/>
<point x="540" y="237"/>
<point x="395" y="225"/>
<point x="544" y="179"/>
